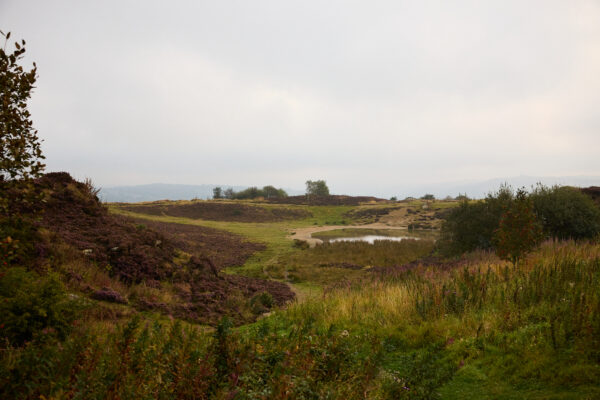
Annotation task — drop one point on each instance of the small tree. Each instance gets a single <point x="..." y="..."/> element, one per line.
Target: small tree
<point x="20" y="151"/>
<point x="317" y="188"/>
<point x="217" y="193"/>
<point x="519" y="231"/>
<point x="20" y="156"/>
<point x="428" y="196"/>
<point x="229" y="193"/>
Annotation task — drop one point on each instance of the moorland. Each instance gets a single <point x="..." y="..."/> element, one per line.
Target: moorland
<point x="253" y="298"/>
<point x="227" y="299"/>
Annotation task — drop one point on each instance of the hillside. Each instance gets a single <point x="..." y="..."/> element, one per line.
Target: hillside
<point x="182" y="300"/>
<point x="170" y="268"/>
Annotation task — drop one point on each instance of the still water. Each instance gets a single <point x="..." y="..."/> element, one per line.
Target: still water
<point x="372" y="238"/>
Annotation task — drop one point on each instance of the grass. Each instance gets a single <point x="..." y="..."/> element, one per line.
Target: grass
<point x="478" y="329"/>
<point x="485" y="330"/>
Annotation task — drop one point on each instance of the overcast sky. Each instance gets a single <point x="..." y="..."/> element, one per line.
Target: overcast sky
<point x="368" y="95"/>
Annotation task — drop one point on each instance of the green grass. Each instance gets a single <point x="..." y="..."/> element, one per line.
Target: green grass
<point x="483" y="331"/>
<point x="267" y="263"/>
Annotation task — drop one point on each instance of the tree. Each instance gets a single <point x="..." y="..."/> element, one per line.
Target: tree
<point x="566" y="213"/>
<point x="20" y="151"/>
<point x="428" y="196"/>
<point x="471" y="225"/>
<point x="518" y="231"/>
<point x="317" y="188"/>
<point x="20" y="157"/>
<point x="229" y="193"/>
<point x="217" y="193"/>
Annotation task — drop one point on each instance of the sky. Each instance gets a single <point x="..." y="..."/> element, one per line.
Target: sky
<point x="371" y="96"/>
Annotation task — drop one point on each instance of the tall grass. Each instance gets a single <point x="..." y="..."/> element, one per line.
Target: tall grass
<point x="484" y="330"/>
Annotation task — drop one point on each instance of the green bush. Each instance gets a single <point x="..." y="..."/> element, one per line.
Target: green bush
<point x="262" y="302"/>
<point x="519" y="230"/>
<point x="32" y="306"/>
<point x="471" y="225"/>
<point x="566" y="213"/>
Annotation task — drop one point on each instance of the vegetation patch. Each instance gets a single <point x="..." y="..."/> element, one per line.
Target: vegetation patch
<point x="223" y="248"/>
<point x="219" y="211"/>
<point x="331" y="200"/>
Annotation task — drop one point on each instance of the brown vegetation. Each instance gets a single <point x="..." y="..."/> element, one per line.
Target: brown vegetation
<point x="332" y="200"/>
<point x="218" y="211"/>
<point x="166" y="267"/>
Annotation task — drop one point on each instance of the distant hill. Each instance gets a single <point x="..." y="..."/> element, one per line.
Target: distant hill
<point x="478" y="189"/>
<point x="164" y="191"/>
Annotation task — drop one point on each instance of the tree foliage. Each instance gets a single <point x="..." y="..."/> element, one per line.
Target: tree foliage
<point x="20" y="151"/>
<point x="471" y="225"/>
<point x="519" y="230"/>
<point x="565" y="212"/>
<point x="317" y="188"/>
<point x="561" y="212"/>
<point x="267" y="192"/>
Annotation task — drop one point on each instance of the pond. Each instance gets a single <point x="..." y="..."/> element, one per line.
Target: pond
<point x="371" y="238"/>
<point x="371" y="235"/>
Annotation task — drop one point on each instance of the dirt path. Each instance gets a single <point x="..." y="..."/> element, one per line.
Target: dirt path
<point x="305" y="233"/>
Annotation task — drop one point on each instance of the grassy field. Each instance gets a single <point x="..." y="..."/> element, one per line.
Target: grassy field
<point x="369" y="322"/>
<point x="269" y="263"/>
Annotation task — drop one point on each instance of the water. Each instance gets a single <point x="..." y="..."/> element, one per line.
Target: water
<point x="371" y="238"/>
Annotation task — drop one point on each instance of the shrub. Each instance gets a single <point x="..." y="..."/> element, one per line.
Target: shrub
<point x="565" y="212"/>
<point x="471" y="226"/>
<point x="32" y="305"/>
<point x="519" y="230"/>
<point x="261" y="302"/>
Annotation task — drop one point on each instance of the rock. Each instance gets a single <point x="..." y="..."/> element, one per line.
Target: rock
<point x="87" y="252"/>
<point x="108" y="294"/>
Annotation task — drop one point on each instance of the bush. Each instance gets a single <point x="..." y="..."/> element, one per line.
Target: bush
<point x="31" y="305"/>
<point x="566" y="213"/>
<point x="471" y="226"/>
<point x="18" y="238"/>
<point x="519" y="230"/>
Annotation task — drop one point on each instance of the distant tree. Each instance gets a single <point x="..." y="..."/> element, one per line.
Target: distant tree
<point x="217" y="193"/>
<point x="461" y="197"/>
<point x="565" y="212"/>
<point x="518" y="231"/>
<point x="393" y="198"/>
<point x="272" y="192"/>
<point x="229" y="193"/>
<point x="428" y="196"/>
<point x="317" y="188"/>
<point x="20" y="151"/>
